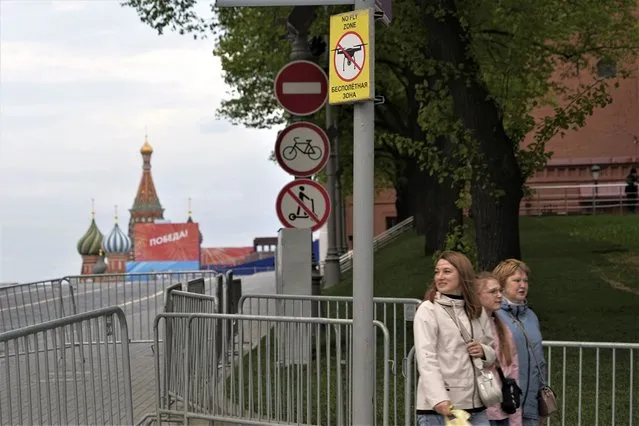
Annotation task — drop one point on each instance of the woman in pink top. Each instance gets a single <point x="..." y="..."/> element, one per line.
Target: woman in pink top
<point x="489" y="291"/>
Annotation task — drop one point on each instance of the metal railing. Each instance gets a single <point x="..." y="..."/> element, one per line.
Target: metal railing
<point x="280" y="370"/>
<point x="138" y="294"/>
<point x="395" y="313"/>
<point x="27" y="304"/>
<point x="381" y="240"/>
<point x="178" y="301"/>
<point x="595" y="382"/>
<point x="584" y="198"/>
<point x="67" y="371"/>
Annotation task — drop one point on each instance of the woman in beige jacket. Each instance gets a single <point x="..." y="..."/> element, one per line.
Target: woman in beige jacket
<point x="446" y="371"/>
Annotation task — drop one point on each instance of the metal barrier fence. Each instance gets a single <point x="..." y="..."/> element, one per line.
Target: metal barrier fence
<point x="395" y="313"/>
<point x="138" y="294"/>
<point x="183" y="302"/>
<point x="409" y="372"/>
<point x="596" y="383"/>
<point x="280" y="370"/>
<point x="48" y="378"/>
<point x="27" y="304"/>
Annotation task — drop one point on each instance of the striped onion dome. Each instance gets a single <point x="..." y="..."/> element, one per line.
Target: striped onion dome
<point x="91" y="241"/>
<point x="117" y="241"/>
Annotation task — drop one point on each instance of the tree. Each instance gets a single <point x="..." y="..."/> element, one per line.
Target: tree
<point x="459" y="97"/>
<point x="241" y="35"/>
<point x="494" y="107"/>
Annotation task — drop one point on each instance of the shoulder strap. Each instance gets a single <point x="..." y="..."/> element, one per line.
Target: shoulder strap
<point x="501" y="373"/>
<point x="529" y="345"/>
<point x="465" y="335"/>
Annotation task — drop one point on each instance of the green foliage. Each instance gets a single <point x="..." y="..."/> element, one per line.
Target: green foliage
<point x="460" y="239"/>
<point x="526" y="51"/>
<point x="529" y="52"/>
<point x="175" y="15"/>
<point x="252" y="47"/>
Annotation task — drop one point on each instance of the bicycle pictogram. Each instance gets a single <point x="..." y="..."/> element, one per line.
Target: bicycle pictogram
<point x="305" y="147"/>
<point x="302" y="149"/>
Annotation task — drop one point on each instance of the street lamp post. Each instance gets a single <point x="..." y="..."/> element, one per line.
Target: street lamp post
<point x="595" y="170"/>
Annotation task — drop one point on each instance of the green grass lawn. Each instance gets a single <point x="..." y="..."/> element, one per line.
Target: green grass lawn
<point x="584" y="287"/>
<point x="575" y="263"/>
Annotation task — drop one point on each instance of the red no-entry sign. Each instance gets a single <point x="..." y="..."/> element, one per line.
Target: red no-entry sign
<point x="301" y="87"/>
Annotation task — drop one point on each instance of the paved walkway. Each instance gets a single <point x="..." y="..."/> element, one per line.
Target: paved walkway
<point x="143" y="379"/>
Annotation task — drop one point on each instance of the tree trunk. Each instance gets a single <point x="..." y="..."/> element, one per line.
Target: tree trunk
<point x="496" y="218"/>
<point x="409" y="190"/>
<point x="431" y="203"/>
<point x="442" y="214"/>
<point x="496" y="226"/>
<point x="418" y="194"/>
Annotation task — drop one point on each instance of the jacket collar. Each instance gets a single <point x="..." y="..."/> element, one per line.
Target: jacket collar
<point x="516" y="310"/>
<point x="444" y="300"/>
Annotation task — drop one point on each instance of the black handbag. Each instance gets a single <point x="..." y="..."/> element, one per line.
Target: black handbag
<point x="511" y="393"/>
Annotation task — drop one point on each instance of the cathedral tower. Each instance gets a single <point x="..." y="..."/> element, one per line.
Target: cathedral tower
<point x="146" y="207"/>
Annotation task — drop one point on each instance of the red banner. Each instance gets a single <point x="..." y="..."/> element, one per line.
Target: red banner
<point x="167" y="241"/>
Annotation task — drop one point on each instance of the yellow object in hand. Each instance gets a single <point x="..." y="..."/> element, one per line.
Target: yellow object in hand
<point x="460" y="418"/>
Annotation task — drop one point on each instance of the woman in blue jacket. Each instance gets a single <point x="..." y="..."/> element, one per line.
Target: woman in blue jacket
<point x="524" y="326"/>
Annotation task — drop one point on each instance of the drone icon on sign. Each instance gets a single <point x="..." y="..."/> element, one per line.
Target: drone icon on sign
<point x="348" y="54"/>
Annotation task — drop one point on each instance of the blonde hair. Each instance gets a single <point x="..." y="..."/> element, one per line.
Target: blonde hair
<point x="481" y="281"/>
<point x="508" y="268"/>
<point x="466" y="277"/>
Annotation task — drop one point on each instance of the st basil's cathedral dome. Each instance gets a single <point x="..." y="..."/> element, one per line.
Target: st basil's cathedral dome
<point x="91" y="242"/>
<point x="117" y="241"/>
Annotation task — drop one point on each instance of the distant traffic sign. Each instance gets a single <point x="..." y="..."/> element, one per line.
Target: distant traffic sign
<point x="301" y="87"/>
<point x="351" y="70"/>
<point x="302" y="149"/>
<point x="303" y="204"/>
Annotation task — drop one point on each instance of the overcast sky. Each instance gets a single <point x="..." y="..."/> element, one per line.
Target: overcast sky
<point x="79" y="82"/>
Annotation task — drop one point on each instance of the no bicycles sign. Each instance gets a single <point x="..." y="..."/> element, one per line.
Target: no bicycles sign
<point x="302" y="149"/>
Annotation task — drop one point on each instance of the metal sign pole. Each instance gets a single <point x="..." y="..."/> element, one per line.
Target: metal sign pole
<point x="332" y="272"/>
<point x="355" y="84"/>
<point x="363" y="208"/>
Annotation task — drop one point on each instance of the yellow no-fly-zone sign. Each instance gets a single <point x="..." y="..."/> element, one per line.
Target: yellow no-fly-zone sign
<point x="350" y="75"/>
